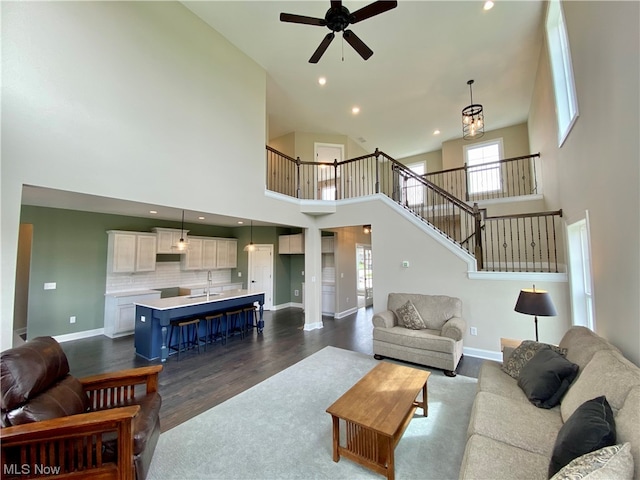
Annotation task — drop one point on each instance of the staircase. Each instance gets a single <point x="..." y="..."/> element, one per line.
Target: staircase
<point x="511" y="243"/>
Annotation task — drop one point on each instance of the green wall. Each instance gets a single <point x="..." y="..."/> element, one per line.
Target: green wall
<point x="70" y="249"/>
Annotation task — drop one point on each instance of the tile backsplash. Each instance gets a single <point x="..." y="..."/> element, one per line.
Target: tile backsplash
<point x="166" y="275"/>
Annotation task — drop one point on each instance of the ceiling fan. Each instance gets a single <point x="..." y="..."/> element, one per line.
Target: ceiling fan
<point x="337" y="19"/>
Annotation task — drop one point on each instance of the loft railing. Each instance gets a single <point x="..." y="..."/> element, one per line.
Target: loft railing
<point x="510" y="243"/>
<point x="521" y="243"/>
<point x="510" y="177"/>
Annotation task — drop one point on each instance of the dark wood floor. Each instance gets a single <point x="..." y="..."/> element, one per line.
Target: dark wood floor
<point x="199" y="382"/>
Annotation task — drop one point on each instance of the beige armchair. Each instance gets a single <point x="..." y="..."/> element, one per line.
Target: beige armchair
<point x="436" y="342"/>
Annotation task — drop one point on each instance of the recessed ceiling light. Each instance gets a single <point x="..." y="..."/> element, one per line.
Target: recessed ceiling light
<point x="322" y="80"/>
<point x="200" y="218"/>
<point x="240" y="222"/>
<point x="355" y="110"/>
<point x="488" y="5"/>
<point x="436" y="132"/>
<point x="152" y="211"/>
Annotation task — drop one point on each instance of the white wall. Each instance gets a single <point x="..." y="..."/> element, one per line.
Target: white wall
<point x="598" y="168"/>
<point x="487" y="302"/>
<point x="139" y="101"/>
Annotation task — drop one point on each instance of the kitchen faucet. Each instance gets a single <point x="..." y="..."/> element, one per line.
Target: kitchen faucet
<point x="209" y="280"/>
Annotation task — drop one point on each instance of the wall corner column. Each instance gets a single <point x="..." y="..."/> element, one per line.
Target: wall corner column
<point x="313" y="279"/>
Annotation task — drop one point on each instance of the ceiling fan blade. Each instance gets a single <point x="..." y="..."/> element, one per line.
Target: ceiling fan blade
<point x="372" y="9"/>
<point x="292" y="18"/>
<point x="357" y="44"/>
<point x="322" y="48"/>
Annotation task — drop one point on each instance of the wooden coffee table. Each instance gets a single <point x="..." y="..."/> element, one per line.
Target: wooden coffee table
<point x="376" y="411"/>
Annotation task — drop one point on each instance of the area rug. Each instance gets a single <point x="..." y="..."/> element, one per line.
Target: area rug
<point x="279" y="429"/>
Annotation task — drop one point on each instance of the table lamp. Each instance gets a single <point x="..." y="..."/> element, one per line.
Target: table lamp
<point x="535" y="302"/>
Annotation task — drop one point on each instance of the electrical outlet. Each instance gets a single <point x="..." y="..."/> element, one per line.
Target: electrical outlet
<point x="239" y="274"/>
<point x="296" y="293"/>
<point x="473" y="331"/>
<point x="72" y="319"/>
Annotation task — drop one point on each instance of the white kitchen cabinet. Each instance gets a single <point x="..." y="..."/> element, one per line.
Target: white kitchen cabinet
<point x="120" y="311"/>
<point x="168" y="238"/>
<point x="291" y="244"/>
<point x="207" y="253"/>
<point x="192" y="259"/>
<point x="227" y="253"/>
<point x="328" y="299"/>
<point x="327" y="244"/>
<point x="129" y="252"/>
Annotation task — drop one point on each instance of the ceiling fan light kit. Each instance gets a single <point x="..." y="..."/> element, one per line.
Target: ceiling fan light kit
<point x="337" y="19"/>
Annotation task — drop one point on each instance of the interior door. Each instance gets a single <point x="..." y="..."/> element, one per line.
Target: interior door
<point x="327" y="183"/>
<point x="261" y="273"/>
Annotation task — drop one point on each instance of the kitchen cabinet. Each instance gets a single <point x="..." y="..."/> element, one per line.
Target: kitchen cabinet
<point x="227" y="253"/>
<point x="327" y="244"/>
<point x="129" y="252"/>
<point x="120" y="311"/>
<point x="291" y="244"/>
<point x="207" y="253"/>
<point x="168" y="238"/>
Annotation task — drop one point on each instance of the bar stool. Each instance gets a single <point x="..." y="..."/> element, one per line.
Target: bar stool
<point x="184" y="325"/>
<point x="251" y="317"/>
<point x="214" y="329"/>
<point x="235" y="323"/>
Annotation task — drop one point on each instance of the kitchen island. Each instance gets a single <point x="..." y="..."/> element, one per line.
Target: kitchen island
<point x="153" y="317"/>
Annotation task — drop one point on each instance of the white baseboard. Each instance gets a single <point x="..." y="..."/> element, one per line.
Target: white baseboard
<point x="346" y="313"/>
<point x="286" y="305"/>
<point x="313" y="326"/>
<point x="486" y="354"/>
<point x="78" y="335"/>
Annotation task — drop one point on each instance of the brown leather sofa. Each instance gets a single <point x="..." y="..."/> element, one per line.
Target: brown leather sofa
<point x="104" y="426"/>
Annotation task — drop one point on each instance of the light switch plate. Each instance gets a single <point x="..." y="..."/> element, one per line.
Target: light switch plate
<point x="50" y="286"/>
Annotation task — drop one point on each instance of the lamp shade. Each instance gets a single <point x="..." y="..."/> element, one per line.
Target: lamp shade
<point x="535" y="302"/>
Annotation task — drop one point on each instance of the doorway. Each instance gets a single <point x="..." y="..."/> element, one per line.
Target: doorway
<point x="580" y="283"/>
<point x="364" y="267"/>
<point x="260" y="273"/>
<point x="327" y="181"/>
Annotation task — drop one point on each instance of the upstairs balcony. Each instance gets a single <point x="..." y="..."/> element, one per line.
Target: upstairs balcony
<point x="447" y="200"/>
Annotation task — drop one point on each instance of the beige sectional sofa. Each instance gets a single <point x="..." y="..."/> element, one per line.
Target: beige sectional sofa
<point x="438" y="345"/>
<point x="510" y="438"/>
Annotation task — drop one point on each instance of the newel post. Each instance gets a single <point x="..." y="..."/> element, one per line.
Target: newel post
<point x="478" y="234"/>
<point x="377" y="154"/>
<point x="298" y="192"/>
<point x="335" y="177"/>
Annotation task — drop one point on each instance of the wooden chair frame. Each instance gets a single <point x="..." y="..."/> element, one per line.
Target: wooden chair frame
<point x="71" y="447"/>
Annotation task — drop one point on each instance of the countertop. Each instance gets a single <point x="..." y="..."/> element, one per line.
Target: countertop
<point x="132" y="293"/>
<point x="190" y="300"/>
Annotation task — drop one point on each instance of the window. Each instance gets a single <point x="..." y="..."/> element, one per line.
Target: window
<point x="415" y="189"/>
<point x="561" y="70"/>
<point x="483" y="168"/>
<point x="580" y="274"/>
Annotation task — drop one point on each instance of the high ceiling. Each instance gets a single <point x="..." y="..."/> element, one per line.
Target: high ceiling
<point x="416" y="80"/>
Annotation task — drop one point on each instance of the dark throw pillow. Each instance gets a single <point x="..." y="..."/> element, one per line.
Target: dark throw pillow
<point x="546" y="378"/>
<point x="525" y="352"/>
<point x="409" y="316"/>
<point x="591" y="427"/>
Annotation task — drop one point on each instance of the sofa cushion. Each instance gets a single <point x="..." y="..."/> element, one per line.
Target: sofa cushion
<point x="492" y="379"/>
<point x="435" y="310"/>
<point x="614" y="462"/>
<point x="523" y="353"/>
<point x="65" y="398"/>
<point x="591" y="427"/>
<point x="409" y="317"/>
<point x="546" y="378"/>
<point x="29" y="369"/>
<point x="485" y="458"/>
<point x="515" y="422"/>
<point x="609" y="374"/>
<point x="421" y="339"/>
<point x="627" y="421"/>
<point x="581" y="344"/>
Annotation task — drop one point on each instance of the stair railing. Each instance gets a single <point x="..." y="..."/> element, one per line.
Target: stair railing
<point x="504" y="178"/>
